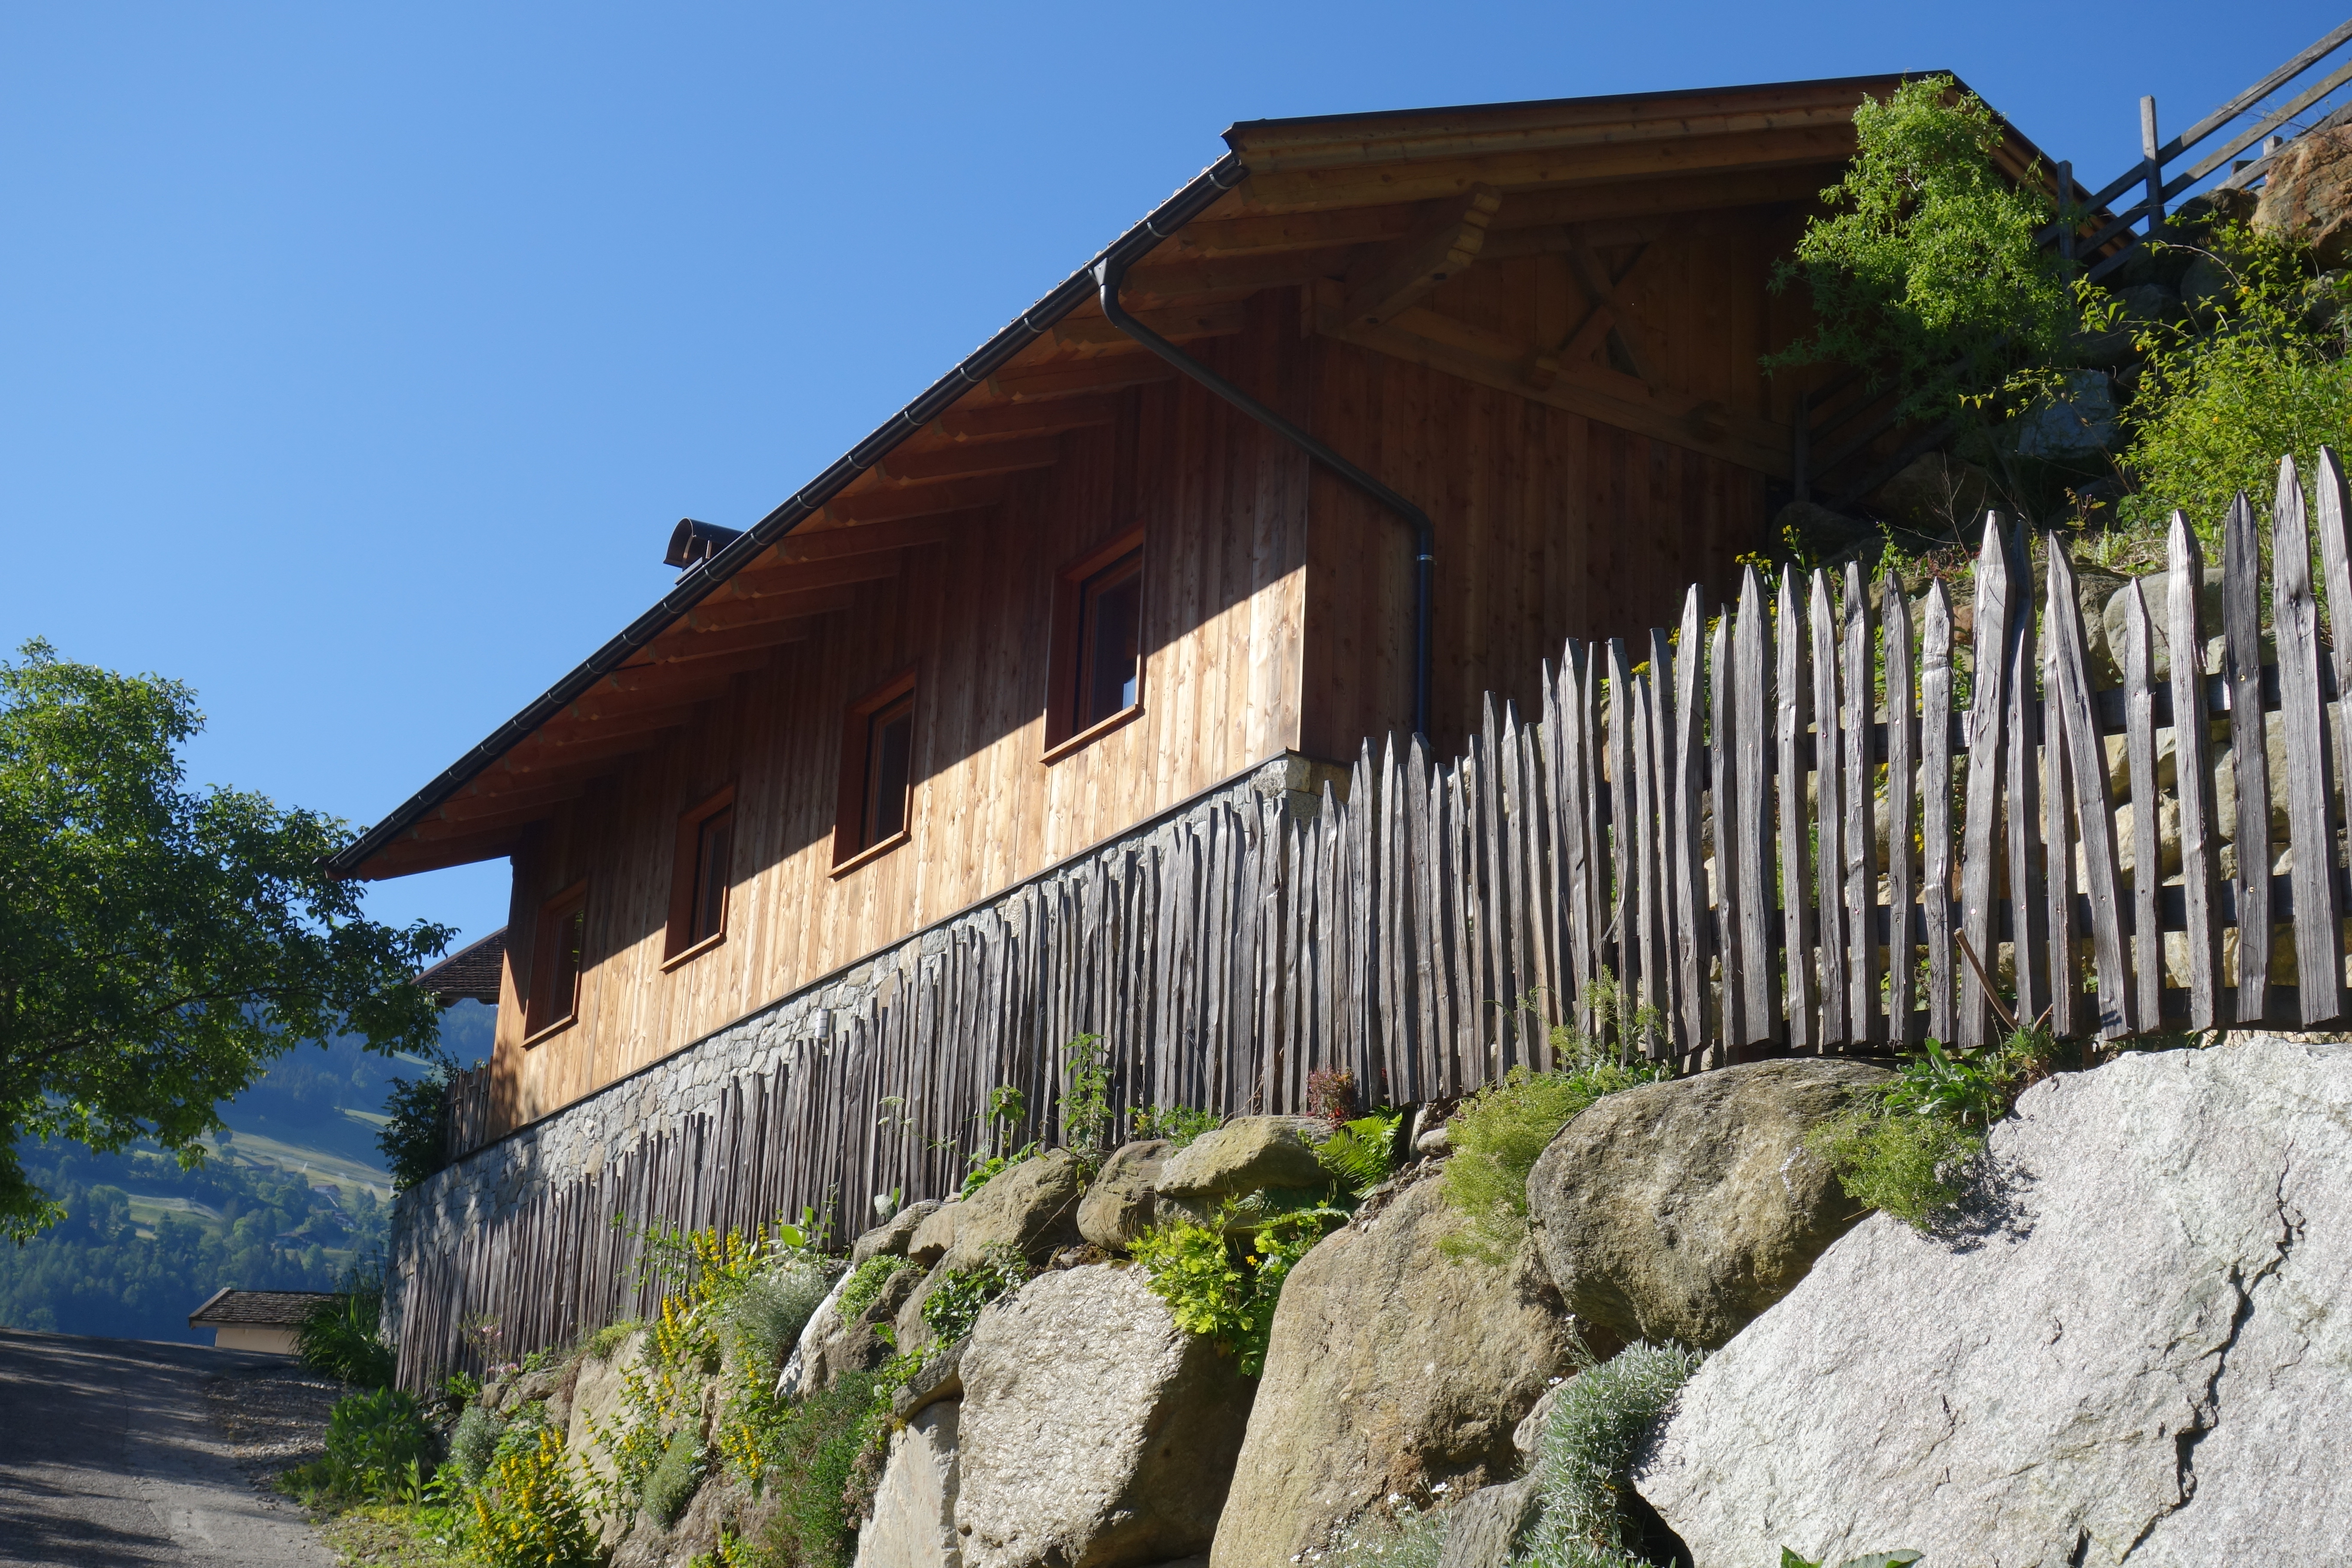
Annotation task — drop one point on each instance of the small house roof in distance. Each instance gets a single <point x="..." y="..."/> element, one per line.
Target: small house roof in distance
<point x="471" y="971"/>
<point x="268" y="1308"/>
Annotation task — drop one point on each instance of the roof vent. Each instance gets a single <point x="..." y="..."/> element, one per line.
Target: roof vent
<point x="692" y="544"/>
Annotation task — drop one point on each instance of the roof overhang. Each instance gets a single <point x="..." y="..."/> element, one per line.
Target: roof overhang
<point x="1293" y="201"/>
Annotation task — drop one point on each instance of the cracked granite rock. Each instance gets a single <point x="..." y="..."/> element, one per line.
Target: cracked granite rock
<point x="2134" y="1348"/>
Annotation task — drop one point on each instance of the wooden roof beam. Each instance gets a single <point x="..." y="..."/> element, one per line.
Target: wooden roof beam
<point x="1185" y="279"/>
<point x="1091" y="332"/>
<point x="767" y="578"/>
<point x="406" y="855"/>
<point x="1039" y="383"/>
<point x="1014" y="421"/>
<point x="1314" y="189"/>
<point x="865" y="538"/>
<point x="959" y="460"/>
<point x="684" y="645"/>
<point x="479" y="806"/>
<point x="726" y="616"/>
<point x="1407" y="270"/>
<point x="1547" y="209"/>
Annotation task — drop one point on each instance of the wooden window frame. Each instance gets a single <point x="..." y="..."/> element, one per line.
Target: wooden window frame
<point x="537" y="1024"/>
<point x="849" y="810"/>
<point x="679" y="944"/>
<point x="1062" y="735"/>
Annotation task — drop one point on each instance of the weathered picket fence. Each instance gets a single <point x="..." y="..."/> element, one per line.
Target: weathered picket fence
<point x="1806" y="823"/>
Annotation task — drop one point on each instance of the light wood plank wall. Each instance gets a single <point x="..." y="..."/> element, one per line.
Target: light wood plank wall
<point x="1224" y="595"/>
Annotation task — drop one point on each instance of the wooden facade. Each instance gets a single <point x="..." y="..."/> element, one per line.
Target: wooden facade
<point x="1542" y="322"/>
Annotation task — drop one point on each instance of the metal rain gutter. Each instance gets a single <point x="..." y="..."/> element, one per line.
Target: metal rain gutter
<point x="1108" y="273"/>
<point x="698" y="583"/>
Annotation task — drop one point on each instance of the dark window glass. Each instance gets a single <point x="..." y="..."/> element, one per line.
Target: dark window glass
<point x="1110" y="651"/>
<point x="889" y="749"/>
<point x="714" y="852"/>
<point x="567" y="934"/>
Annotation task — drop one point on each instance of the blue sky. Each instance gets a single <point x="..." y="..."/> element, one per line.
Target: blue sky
<point x="355" y="362"/>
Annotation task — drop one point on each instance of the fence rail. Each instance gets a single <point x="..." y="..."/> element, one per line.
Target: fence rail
<point x="1721" y="828"/>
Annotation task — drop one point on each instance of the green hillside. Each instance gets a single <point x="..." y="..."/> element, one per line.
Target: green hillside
<point x="287" y="1201"/>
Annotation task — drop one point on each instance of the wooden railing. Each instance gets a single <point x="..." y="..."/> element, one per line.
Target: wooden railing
<point x="1688" y="839"/>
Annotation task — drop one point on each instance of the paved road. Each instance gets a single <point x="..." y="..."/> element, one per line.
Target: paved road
<point x="107" y="1457"/>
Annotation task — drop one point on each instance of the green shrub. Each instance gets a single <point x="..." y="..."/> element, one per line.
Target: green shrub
<point x="375" y="1442"/>
<point x="953" y="1307"/>
<point x="415" y="1137"/>
<point x="762" y="1317"/>
<point x="339" y="1338"/>
<point x="1411" y="1537"/>
<point x="1357" y="1152"/>
<point x="1177" y="1123"/>
<point x="867" y="1282"/>
<point x="606" y="1342"/>
<point x="809" y="1452"/>
<point x="1901" y="1163"/>
<point x="527" y="1510"/>
<point x="1599" y="1426"/>
<point x="984" y="1171"/>
<point x="1225" y="1286"/>
<point x="1498" y="1135"/>
<point x="473" y="1441"/>
<point x="1924" y="270"/>
<point x="1086" y="1104"/>
<point x="1901" y="1148"/>
<point x="2218" y="401"/>
<point x="675" y="1477"/>
<point x="1874" y="1560"/>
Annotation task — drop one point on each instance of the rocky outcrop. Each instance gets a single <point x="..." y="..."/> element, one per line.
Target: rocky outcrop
<point x="1032" y="1207"/>
<point x="1119" y="1207"/>
<point x="831" y="1346"/>
<point x="889" y="1238"/>
<point x="913" y="1525"/>
<point x="935" y="1232"/>
<point x="1489" y="1528"/>
<point x="1095" y="1432"/>
<point x="1248" y="1155"/>
<point x="1681" y="1210"/>
<point x="2308" y="195"/>
<point x="1390" y="1370"/>
<point x="2134" y="1347"/>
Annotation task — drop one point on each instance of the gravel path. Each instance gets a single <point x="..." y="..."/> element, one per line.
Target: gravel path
<point x="108" y="1455"/>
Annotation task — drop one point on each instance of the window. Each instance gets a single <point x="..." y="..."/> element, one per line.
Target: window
<point x="556" y="965"/>
<point x="1110" y="621"/>
<point x="878" y="774"/>
<point x="700" y="875"/>
<point x="1098" y="648"/>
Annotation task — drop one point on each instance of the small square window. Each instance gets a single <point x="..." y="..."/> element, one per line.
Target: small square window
<point x="1097" y="653"/>
<point x="878" y="774"/>
<point x="562" y="945"/>
<point x="702" y="872"/>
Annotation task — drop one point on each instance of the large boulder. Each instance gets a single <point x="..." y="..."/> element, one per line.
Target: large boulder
<point x="1681" y="1210"/>
<point x="1248" y="1155"/>
<point x="1032" y="1207"/>
<point x="1119" y="1207"/>
<point x="2308" y="194"/>
<point x="1390" y="1370"/>
<point x="891" y="1237"/>
<point x="1095" y="1432"/>
<point x="913" y="1524"/>
<point x="832" y="1345"/>
<point x="2133" y="1346"/>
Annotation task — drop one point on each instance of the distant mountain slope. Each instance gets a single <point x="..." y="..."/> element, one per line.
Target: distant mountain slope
<point x="331" y="1097"/>
<point x="287" y="1201"/>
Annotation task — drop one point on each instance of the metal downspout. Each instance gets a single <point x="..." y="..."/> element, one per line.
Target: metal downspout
<point x="1110" y="272"/>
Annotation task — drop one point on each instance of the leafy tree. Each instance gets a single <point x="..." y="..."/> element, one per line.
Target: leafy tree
<point x="416" y="1137"/>
<point x="159" y="946"/>
<point x="1925" y="272"/>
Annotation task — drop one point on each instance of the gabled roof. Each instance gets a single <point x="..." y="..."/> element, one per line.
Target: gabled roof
<point x="472" y="972"/>
<point x="265" y="1309"/>
<point x="1353" y="199"/>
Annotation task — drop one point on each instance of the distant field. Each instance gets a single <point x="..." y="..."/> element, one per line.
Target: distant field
<point x="323" y="1169"/>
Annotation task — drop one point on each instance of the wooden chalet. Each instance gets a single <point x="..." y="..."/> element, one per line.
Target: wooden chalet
<point x="1071" y="585"/>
